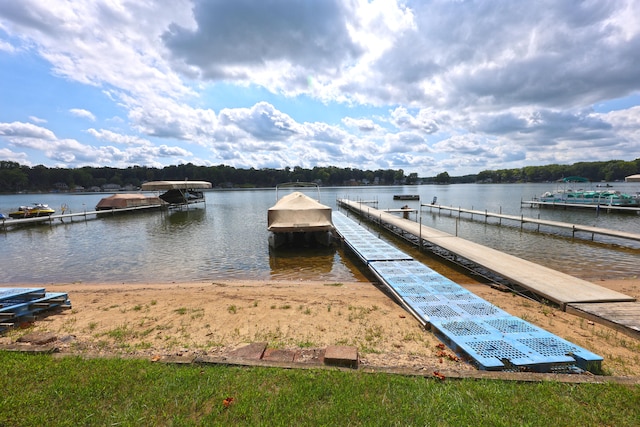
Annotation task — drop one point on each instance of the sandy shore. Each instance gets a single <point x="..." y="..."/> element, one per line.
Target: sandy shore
<point x="212" y="318"/>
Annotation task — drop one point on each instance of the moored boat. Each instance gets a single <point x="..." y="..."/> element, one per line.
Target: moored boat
<point x="128" y="200"/>
<point x="299" y="220"/>
<point x="36" y="210"/>
<point x="572" y="192"/>
<point x="406" y="197"/>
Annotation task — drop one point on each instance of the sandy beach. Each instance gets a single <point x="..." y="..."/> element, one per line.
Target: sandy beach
<point x="213" y="318"/>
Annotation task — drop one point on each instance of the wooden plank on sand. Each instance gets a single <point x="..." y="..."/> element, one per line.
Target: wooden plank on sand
<point x="623" y="317"/>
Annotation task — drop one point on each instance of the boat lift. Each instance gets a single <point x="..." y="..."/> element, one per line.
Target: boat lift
<point x="179" y="193"/>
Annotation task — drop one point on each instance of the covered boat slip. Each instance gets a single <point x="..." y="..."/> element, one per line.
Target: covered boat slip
<point x="469" y="325"/>
<point x="297" y="216"/>
<point x="297" y="212"/>
<point x="177" y="193"/>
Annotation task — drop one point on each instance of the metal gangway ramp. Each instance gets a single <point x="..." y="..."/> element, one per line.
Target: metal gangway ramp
<point x="487" y="336"/>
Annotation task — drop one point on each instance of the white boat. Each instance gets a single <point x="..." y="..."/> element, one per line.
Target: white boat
<point x="572" y="192"/>
<point x="299" y="220"/>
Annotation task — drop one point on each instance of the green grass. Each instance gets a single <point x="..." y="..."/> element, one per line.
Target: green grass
<point x="41" y="390"/>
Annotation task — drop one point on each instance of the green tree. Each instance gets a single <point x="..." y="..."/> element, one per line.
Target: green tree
<point x="443" y="178"/>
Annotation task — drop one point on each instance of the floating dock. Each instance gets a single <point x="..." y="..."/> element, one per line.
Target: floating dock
<point x="18" y="305"/>
<point x="598" y="208"/>
<point x="549" y="284"/>
<point x="6" y="224"/>
<point x="487" y="336"/>
<point x="574" y="228"/>
<point x="570" y="293"/>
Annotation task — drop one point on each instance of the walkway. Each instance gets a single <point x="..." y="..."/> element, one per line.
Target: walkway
<point x="489" y="337"/>
<point x="577" y="296"/>
<point x="550" y="284"/>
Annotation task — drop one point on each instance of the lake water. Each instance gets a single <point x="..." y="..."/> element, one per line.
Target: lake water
<point x="226" y="238"/>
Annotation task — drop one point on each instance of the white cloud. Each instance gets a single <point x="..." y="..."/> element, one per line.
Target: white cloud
<point x="7" y="47"/>
<point x="18" y="130"/>
<point x="13" y="156"/>
<point x="107" y="135"/>
<point x="79" y="112"/>
<point x="363" y="125"/>
<point x="461" y="85"/>
<point x="37" y="119"/>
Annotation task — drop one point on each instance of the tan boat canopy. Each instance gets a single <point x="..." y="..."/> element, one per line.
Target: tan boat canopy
<point x="297" y="212"/>
<point x="175" y="185"/>
<point x="127" y="200"/>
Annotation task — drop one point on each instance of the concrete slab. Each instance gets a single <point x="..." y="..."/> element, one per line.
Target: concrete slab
<point x="344" y="356"/>
<point x="276" y="355"/>
<point x="314" y="356"/>
<point x="253" y="351"/>
<point x="38" y="338"/>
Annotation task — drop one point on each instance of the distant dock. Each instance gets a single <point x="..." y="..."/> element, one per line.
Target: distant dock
<point x="574" y="228"/>
<point x="534" y="203"/>
<point x="6" y="224"/>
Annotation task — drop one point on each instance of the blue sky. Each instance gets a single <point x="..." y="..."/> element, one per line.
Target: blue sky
<point x="424" y="86"/>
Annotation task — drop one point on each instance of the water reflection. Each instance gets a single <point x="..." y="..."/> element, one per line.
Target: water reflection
<point x="294" y="262"/>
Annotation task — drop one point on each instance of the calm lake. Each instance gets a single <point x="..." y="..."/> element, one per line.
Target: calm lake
<point x="226" y="238"/>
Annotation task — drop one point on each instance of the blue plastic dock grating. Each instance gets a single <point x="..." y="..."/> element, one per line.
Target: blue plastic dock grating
<point x="20" y="304"/>
<point x="367" y="246"/>
<point x="509" y="342"/>
<point x="19" y="294"/>
<point x="489" y="337"/>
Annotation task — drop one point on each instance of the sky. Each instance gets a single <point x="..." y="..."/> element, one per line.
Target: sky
<point x="426" y="86"/>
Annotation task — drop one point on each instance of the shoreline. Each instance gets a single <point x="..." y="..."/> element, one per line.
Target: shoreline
<point x="214" y="317"/>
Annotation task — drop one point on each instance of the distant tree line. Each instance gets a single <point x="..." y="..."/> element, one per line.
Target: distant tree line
<point x="611" y="170"/>
<point x="15" y="177"/>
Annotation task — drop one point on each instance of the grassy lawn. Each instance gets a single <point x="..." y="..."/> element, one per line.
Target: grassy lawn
<point x="40" y="390"/>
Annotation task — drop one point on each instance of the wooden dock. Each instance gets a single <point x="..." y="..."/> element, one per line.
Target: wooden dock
<point x="85" y="215"/>
<point x="475" y="329"/>
<point x="574" y="228"/>
<point x="557" y="287"/>
<point x="598" y="208"/>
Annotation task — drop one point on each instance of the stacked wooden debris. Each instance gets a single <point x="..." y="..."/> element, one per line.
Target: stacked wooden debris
<point x="19" y="305"/>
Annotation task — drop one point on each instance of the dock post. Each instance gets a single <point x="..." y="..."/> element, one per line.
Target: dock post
<point x="420" y="236"/>
<point x="500" y="220"/>
<point x="486" y="215"/>
<point x="521" y="221"/>
<point x="538" y="223"/>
